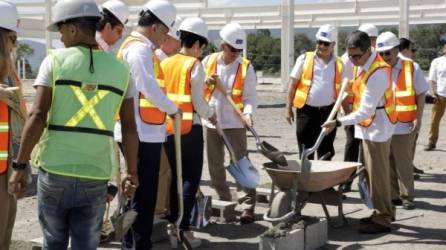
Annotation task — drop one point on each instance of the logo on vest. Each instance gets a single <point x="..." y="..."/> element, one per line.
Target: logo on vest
<point x="89" y="87"/>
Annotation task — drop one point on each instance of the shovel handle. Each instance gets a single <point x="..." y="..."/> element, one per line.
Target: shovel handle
<point x="179" y="168"/>
<point x="338" y="102"/>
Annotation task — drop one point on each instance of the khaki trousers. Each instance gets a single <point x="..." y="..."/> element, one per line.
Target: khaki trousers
<point x="376" y="161"/>
<point x="7" y="213"/>
<point x="162" y="200"/>
<point x="216" y="159"/>
<point x="437" y="114"/>
<point x="401" y="166"/>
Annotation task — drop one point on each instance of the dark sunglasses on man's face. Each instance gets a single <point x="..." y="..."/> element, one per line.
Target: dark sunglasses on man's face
<point x="326" y="44"/>
<point x="233" y="50"/>
<point x="385" y="53"/>
<point x="357" y="56"/>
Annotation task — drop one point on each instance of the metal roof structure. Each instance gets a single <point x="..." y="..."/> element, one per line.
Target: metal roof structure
<point x="286" y="15"/>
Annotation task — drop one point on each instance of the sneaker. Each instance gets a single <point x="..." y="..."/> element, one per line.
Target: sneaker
<point x="194" y="242"/>
<point x="408" y="205"/>
<point x="429" y="147"/>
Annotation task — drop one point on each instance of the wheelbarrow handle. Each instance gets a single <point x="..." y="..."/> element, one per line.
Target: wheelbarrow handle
<point x="285" y="217"/>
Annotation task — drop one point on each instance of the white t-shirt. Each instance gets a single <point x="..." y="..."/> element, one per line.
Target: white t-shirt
<point x="420" y="86"/>
<point x="437" y="74"/>
<point x="322" y="91"/>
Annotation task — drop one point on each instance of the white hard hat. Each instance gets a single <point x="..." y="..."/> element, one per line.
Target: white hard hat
<point x="163" y="10"/>
<point x="234" y="35"/>
<point x="174" y="32"/>
<point x="119" y="9"/>
<point x="69" y="9"/>
<point x="386" y="40"/>
<point x="370" y="29"/>
<point x="195" y="25"/>
<point x="326" y="33"/>
<point x="9" y="17"/>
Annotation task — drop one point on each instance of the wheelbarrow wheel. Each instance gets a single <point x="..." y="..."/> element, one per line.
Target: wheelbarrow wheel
<point x="280" y="205"/>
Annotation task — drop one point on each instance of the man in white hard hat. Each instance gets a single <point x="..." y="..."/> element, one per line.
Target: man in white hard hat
<point x="113" y="22"/>
<point x="372" y="32"/>
<point x="437" y="84"/>
<point x="313" y="87"/>
<point x="172" y="44"/>
<point x="188" y="96"/>
<point x="373" y="116"/>
<point x="228" y="65"/>
<point x="155" y="20"/>
<point x="80" y="90"/>
<point x="410" y="89"/>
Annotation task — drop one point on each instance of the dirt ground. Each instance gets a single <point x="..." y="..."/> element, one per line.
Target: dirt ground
<point x="422" y="228"/>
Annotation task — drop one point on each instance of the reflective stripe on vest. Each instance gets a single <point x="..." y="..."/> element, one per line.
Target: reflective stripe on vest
<point x="303" y="84"/>
<point x="4" y="137"/>
<point x="78" y="140"/>
<point x="177" y="71"/>
<point x="406" y="102"/>
<point x="239" y="79"/>
<point x="360" y="83"/>
<point x="148" y="112"/>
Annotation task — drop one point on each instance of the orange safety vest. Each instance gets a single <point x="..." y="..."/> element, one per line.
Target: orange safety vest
<point x="304" y="83"/>
<point x="360" y="83"/>
<point x="5" y="133"/>
<point x="178" y="70"/>
<point x="239" y="79"/>
<point x="406" y="101"/>
<point x="148" y="112"/>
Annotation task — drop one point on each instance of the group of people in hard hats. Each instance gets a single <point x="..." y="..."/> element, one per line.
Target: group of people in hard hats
<point x="87" y="99"/>
<point x="382" y="112"/>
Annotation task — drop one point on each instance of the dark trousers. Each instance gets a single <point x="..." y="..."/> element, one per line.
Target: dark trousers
<point x="192" y="163"/>
<point x="145" y="196"/>
<point x="351" y="150"/>
<point x="308" y="127"/>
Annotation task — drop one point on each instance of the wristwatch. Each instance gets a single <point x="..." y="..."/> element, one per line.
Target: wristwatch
<point x="19" y="166"/>
<point x="338" y="123"/>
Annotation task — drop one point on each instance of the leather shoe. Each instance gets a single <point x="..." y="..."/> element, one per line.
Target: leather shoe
<point x="408" y="205"/>
<point x="373" y="228"/>
<point x="368" y="220"/>
<point x="418" y="171"/>
<point x="247" y="216"/>
<point x="397" y="202"/>
<point x="429" y="147"/>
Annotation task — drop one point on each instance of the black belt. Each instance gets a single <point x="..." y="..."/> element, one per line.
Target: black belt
<point x="380" y="107"/>
<point x="321" y="108"/>
<point x="80" y="130"/>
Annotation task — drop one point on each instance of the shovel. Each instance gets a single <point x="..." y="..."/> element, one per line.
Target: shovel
<point x="245" y="174"/>
<point x="305" y="162"/>
<point x="179" y="169"/>
<point x="268" y="150"/>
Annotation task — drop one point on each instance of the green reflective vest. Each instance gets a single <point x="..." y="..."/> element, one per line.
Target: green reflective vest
<point x="78" y="140"/>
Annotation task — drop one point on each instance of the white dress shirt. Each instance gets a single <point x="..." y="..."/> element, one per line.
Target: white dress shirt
<point x="160" y="54"/>
<point x="437" y="73"/>
<point x="139" y="56"/>
<point x="348" y="66"/>
<point x="420" y="86"/>
<point x="226" y="115"/>
<point x="322" y="91"/>
<point x="102" y="44"/>
<point x="381" y="129"/>
<point x="201" y="107"/>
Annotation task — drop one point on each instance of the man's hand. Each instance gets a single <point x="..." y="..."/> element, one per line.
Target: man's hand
<point x="17" y="183"/>
<point x="129" y="184"/>
<point x="416" y="125"/>
<point x="247" y="118"/>
<point x="5" y="93"/>
<point x="289" y="116"/>
<point x="213" y="119"/>
<point x="329" y="126"/>
<point x="179" y="111"/>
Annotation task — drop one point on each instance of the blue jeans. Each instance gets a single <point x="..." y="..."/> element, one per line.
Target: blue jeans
<point x="70" y="207"/>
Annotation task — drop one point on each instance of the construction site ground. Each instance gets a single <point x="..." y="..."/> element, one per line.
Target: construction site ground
<point x="422" y="228"/>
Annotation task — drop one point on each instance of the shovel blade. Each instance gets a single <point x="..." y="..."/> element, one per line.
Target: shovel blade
<point x="245" y="174"/>
<point x="272" y="153"/>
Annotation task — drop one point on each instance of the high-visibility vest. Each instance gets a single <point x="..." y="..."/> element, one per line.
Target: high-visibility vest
<point x="360" y="83"/>
<point x="177" y="73"/>
<point x="304" y="83"/>
<point x="148" y="112"/>
<point x="239" y="79"/>
<point x="5" y="132"/>
<point x="4" y="137"/>
<point x="78" y="140"/>
<point x="406" y="101"/>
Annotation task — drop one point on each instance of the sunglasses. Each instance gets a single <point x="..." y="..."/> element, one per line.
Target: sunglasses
<point x="385" y="53"/>
<point x="357" y="56"/>
<point x="234" y="50"/>
<point x="326" y="44"/>
<point x="13" y="39"/>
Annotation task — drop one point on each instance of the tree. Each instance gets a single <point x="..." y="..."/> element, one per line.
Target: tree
<point x="264" y="51"/>
<point x="342" y="42"/>
<point x="24" y="51"/>
<point x="302" y="44"/>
